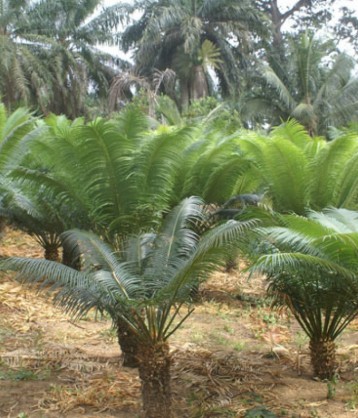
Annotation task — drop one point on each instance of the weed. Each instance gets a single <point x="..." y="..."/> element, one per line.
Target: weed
<point x="239" y="346"/>
<point x="270" y="318"/>
<point x="353" y="402"/>
<point x="259" y="412"/>
<point x="219" y="339"/>
<point x="5" y="333"/>
<point x="23" y="374"/>
<point x="331" y="388"/>
<point x="229" y="330"/>
<point x="314" y="413"/>
<point x="197" y="337"/>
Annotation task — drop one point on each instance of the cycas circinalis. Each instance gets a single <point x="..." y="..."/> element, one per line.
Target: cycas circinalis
<point x="312" y="270"/>
<point x="317" y="94"/>
<point x="145" y="287"/>
<point x="214" y="167"/>
<point x="35" y="214"/>
<point x="95" y="156"/>
<point x="281" y="162"/>
<point x="118" y="176"/>
<point x="334" y="173"/>
<point x="33" y="200"/>
<point x="300" y="172"/>
<point x="195" y="32"/>
<point x="17" y="130"/>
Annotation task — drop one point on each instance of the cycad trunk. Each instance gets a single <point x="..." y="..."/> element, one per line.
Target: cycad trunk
<point x="2" y="224"/>
<point x="154" y="371"/>
<point x="52" y="252"/>
<point x="323" y="358"/>
<point x="128" y="343"/>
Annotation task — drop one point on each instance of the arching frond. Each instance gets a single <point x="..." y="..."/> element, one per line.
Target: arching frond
<point x="272" y="79"/>
<point x="327" y="168"/>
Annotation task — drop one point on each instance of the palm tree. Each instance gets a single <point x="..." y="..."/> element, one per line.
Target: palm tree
<point x="312" y="270"/>
<point x="71" y="52"/>
<point x="145" y="286"/>
<point x="23" y="76"/>
<point x="190" y="36"/>
<point x="317" y="94"/>
<point x="52" y="66"/>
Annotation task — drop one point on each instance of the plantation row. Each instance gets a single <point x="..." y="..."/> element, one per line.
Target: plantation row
<point x="117" y="197"/>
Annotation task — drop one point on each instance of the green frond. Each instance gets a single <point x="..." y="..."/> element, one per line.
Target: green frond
<point x="209" y="254"/>
<point x="169" y="109"/>
<point x="338" y="219"/>
<point x="224" y="178"/>
<point x="294" y="132"/>
<point x="284" y="166"/>
<point x="159" y="159"/>
<point x="327" y="168"/>
<point x="75" y="291"/>
<point x="299" y="263"/>
<point x="146" y="283"/>
<point x="18" y="130"/>
<point x="347" y="194"/>
<point x="312" y="269"/>
<point x="285" y="96"/>
<point x="132" y="124"/>
<point x="305" y="226"/>
<point x="209" y="55"/>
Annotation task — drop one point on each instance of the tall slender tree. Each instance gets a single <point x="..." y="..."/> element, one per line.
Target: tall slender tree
<point x="50" y="54"/>
<point x="317" y="87"/>
<point x="189" y="36"/>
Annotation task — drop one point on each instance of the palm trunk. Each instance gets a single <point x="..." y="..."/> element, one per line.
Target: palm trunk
<point x="184" y="95"/>
<point x="154" y="371"/>
<point x="128" y="343"/>
<point x="198" y="84"/>
<point x="323" y="358"/>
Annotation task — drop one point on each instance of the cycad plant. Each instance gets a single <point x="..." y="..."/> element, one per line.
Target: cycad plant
<point x="26" y="200"/>
<point x="144" y="287"/>
<point x="116" y="175"/>
<point x="312" y="269"/>
<point x="300" y="172"/>
<point x="17" y="129"/>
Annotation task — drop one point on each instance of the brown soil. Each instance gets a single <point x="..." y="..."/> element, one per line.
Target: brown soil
<point x="232" y="355"/>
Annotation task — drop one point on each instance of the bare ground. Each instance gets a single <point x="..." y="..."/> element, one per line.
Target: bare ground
<point x="232" y="355"/>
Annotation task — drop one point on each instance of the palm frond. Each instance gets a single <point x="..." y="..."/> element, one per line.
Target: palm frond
<point x="273" y="79"/>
